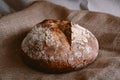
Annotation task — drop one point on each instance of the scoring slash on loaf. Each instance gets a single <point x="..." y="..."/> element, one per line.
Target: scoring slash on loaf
<point x="59" y="46"/>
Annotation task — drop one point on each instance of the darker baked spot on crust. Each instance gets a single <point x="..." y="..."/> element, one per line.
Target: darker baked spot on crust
<point x="62" y="25"/>
<point x="65" y="27"/>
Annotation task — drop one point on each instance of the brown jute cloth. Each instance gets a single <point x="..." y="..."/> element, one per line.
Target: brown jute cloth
<point x="14" y="27"/>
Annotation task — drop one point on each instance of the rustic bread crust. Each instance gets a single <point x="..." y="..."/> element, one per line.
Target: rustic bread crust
<point x="59" y="46"/>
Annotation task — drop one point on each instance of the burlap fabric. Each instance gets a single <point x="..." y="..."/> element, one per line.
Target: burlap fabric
<point x="14" y="27"/>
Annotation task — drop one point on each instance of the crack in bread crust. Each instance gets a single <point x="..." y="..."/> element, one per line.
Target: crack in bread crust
<point x="62" y="25"/>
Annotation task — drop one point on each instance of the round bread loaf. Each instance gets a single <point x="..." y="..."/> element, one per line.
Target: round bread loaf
<point x="59" y="46"/>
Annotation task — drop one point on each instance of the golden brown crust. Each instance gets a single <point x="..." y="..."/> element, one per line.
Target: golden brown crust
<point x="59" y="46"/>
